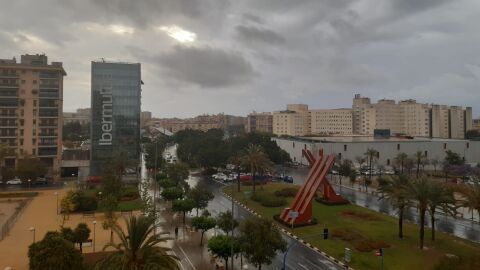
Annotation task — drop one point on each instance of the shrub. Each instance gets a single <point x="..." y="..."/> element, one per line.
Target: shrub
<point x="272" y="201"/>
<point x="286" y="192"/>
<point x="86" y="203"/>
<point x="256" y="197"/>
<point x="129" y="194"/>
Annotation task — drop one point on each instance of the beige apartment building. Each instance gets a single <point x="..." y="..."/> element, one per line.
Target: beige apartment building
<point x="31" y="105"/>
<point x="201" y="122"/>
<point x="476" y="124"/>
<point x="295" y="121"/>
<point x="259" y="122"/>
<point x="410" y="118"/>
<point x="331" y="122"/>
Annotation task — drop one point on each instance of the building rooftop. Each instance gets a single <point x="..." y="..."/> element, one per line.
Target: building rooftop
<point x="360" y="138"/>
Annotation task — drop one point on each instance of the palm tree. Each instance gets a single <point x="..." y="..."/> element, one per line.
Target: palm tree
<point x="419" y="157"/>
<point x="471" y="195"/>
<point x="419" y="191"/>
<point x="395" y="190"/>
<point x="256" y="160"/>
<point x="371" y="155"/>
<point x="440" y="196"/>
<point x="400" y="159"/>
<point x="138" y="249"/>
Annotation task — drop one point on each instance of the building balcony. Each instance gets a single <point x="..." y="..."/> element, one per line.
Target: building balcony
<point x="9" y="85"/>
<point x="47" y="135"/>
<point x="8" y="76"/>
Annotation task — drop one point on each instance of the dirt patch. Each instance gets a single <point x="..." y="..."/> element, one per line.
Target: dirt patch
<point x="360" y="215"/>
<point x="359" y="241"/>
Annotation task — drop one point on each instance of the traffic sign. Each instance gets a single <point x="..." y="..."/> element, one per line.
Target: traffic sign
<point x="293" y="214"/>
<point x="348" y="255"/>
<point x="379" y="252"/>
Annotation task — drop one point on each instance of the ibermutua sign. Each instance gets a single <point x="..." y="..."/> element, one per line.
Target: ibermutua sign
<point x="107" y="115"/>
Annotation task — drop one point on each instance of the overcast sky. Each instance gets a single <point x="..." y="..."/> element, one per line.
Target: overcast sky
<point x="211" y="56"/>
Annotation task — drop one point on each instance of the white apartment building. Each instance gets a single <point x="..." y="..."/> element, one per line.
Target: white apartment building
<point x="331" y="122"/>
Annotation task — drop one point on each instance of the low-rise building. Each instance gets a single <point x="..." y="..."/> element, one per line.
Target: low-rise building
<point x="259" y="122"/>
<point x="351" y="147"/>
<point x="81" y="116"/>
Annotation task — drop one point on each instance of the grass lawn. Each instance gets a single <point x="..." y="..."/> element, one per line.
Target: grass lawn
<point x="360" y="226"/>
<point x="130" y="205"/>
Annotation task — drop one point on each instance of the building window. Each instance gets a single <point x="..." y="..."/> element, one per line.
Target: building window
<point x="398" y="146"/>
<point x="34" y="103"/>
<point x="305" y="146"/>
<point x="339" y="156"/>
<point x="34" y="151"/>
<point x="388" y="162"/>
<point x="445" y="146"/>
<point x="426" y="153"/>
<point x="23" y="81"/>
<point x="468" y="145"/>
<point x="344" y="147"/>
<point x="34" y="81"/>
<point x="293" y="144"/>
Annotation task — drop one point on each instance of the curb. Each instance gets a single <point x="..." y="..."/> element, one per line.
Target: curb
<point x="305" y="243"/>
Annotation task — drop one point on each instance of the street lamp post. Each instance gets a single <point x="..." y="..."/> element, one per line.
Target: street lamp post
<point x="94" y="226"/>
<point x="56" y="194"/>
<point x="32" y="229"/>
<point x="155" y="188"/>
<point x="285" y="255"/>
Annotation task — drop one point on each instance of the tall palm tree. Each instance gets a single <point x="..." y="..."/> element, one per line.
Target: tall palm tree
<point x="419" y="191"/>
<point x="138" y="249"/>
<point x="419" y="157"/>
<point x="371" y="155"/>
<point x="440" y="196"/>
<point x="395" y="190"/>
<point x="256" y="160"/>
<point x="400" y="159"/>
<point x="471" y="197"/>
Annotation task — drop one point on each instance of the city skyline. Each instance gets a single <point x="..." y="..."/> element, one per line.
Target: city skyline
<point x="206" y="57"/>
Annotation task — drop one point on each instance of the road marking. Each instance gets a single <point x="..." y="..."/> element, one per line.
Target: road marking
<point x="181" y="265"/>
<point x="303" y="266"/>
<point x="186" y="257"/>
<point x="328" y="264"/>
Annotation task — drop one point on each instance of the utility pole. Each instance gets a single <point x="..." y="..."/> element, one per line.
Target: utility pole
<point x="233" y="216"/>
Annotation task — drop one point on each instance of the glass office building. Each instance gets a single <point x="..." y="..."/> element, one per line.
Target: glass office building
<point x="115" y="125"/>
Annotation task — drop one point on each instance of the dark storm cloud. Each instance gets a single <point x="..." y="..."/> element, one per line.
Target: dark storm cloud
<point x="328" y="50"/>
<point x="251" y="34"/>
<point x="207" y="66"/>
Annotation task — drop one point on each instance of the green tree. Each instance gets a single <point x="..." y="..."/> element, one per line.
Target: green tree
<point x="166" y="183"/>
<point x="171" y="194"/>
<point x="260" y="240"/>
<point x="395" y="190"/>
<point x="81" y="234"/>
<point x="111" y="181"/>
<point x="400" y="160"/>
<point x="222" y="246"/>
<point x="372" y="156"/>
<point x="236" y="160"/>
<point x="67" y="233"/>
<point x="203" y="223"/>
<point x="183" y="206"/>
<point x="419" y="157"/>
<point x="109" y="204"/>
<point x="471" y="197"/>
<point x="440" y="196"/>
<point x="31" y="168"/>
<point x="54" y="252"/>
<point x="200" y="195"/>
<point x="419" y="191"/>
<point x="255" y="160"/>
<point x="352" y="178"/>
<point x="68" y="205"/>
<point x="453" y="158"/>
<point x="226" y="222"/>
<point x="138" y="248"/>
<point x="345" y="169"/>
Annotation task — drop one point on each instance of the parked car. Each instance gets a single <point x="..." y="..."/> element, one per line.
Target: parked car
<point x="14" y="181"/>
<point x="41" y="181"/>
<point x="288" y="179"/>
